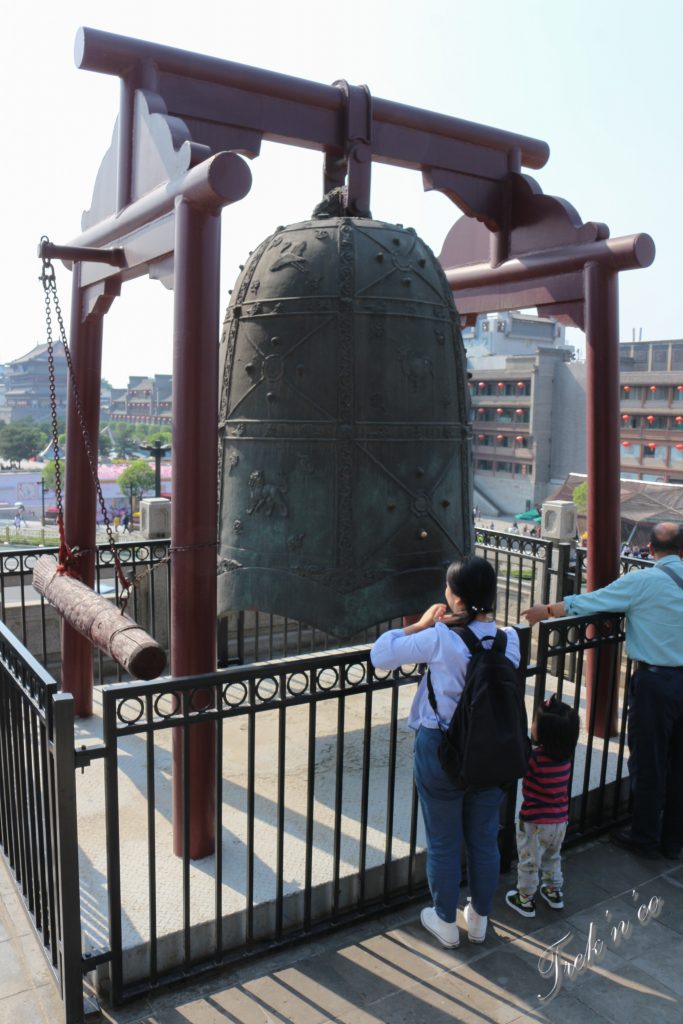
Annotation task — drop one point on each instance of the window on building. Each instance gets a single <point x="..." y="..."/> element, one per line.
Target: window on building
<point x="678" y="393"/>
<point x="503" y="467"/>
<point x="651" y="422"/>
<point x="676" y="454"/>
<point x="660" y="357"/>
<point x="655" y="393"/>
<point x="658" y="452"/>
<point x="630" y="452"/>
<point x="677" y="357"/>
<point x="640" y="354"/>
<point x="484" y="464"/>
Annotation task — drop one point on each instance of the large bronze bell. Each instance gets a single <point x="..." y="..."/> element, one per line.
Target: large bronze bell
<point x="346" y="481"/>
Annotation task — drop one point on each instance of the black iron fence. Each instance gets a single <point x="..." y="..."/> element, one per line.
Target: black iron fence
<point x="38" y="822"/>
<point x="314" y="810"/>
<point x="524" y="566"/>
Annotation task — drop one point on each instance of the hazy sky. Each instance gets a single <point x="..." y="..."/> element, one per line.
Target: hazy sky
<point x="599" y="80"/>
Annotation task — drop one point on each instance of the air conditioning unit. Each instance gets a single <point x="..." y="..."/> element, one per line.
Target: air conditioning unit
<point x="155" y="518"/>
<point x="558" y="520"/>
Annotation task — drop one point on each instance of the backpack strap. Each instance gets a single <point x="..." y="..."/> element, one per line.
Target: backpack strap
<point x="432" y="700"/>
<point x="670" y="572"/>
<point x="474" y="644"/>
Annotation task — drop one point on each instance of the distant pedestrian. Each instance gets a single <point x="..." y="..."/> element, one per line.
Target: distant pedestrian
<point x="17" y="521"/>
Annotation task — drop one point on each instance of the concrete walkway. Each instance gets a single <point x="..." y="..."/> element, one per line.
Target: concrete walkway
<point x="390" y="971"/>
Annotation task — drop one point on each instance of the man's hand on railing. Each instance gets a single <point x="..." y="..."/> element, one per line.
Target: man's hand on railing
<point x="539" y="611"/>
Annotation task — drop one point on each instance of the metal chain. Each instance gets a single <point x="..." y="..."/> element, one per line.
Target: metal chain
<point x="49" y="283"/>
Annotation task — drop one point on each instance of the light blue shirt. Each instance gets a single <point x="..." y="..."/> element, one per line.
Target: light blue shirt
<point x="447" y="656"/>
<point x="653" y="605"/>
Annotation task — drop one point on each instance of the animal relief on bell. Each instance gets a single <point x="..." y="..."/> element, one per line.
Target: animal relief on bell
<point x="552" y="965"/>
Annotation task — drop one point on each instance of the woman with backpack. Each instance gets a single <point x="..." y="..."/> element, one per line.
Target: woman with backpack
<point x="451" y="815"/>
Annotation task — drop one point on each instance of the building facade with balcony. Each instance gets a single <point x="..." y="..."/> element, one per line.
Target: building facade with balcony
<point x="651" y="408"/>
<point x="25" y="386"/>
<point x="528" y="399"/>
<point x="145" y="400"/>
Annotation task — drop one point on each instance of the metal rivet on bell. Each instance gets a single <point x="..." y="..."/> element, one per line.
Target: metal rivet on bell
<point x="250" y="367"/>
<point x="406" y="282"/>
<point x="396" y="241"/>
<point x="445" y="503"/>
<point x="271" y="396"/>
<point x="275" y="341"/>
<point x="423" y="535"/>
<point x="380" y="257"/>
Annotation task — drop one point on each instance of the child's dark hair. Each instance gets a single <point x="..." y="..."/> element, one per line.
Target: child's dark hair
<point x="557" y="728"/>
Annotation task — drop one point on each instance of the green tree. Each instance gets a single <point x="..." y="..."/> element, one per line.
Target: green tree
<point x="580" y="497"/>
<point x="124" y="439"/>
<point x="138" y="478"/>
<point x="48" y="474"/>
<point x="21" y="440"/>
<point x="105" y="442"/>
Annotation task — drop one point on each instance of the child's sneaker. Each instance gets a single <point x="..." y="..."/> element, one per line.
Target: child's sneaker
<point x="527" y="908"/>
<point x="553" y="897"/>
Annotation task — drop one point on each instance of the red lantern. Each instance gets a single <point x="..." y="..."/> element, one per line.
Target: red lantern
<point x="650" y="419"/>
<point x="625" y="444"/>
<point x="652" y="445"/>
<point x="481" y="410"/>
<point x="680" y="447"/>
<point x="520" y="437"/>
<point x="481" y="384"/>
<point x="679" y="419"/>
<point x="518" y="412"/>
<point x="653" y="387"/>
<point x="499" y="437"/>
<point x="626" y="387"/>
<point x="480" y="437"/>
<point x="500" y="384"/>
<point x="679" y="387"/>
<point x="520" y="383"/>
<point x="499" y="411"/>
<point x="626" y="417"/>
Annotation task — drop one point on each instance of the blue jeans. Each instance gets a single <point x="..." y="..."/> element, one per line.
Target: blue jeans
<point x="451" y="815"/>
<point x="655" y="739"/>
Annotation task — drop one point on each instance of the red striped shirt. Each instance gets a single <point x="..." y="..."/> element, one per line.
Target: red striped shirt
<point x="545" y="790"/>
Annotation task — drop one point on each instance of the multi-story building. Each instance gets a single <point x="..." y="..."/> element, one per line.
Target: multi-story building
<point x="651" y="389"/>
<point x="25" y="386"/>
<point x="145" y="400"/>
<point x="528" y="409"/>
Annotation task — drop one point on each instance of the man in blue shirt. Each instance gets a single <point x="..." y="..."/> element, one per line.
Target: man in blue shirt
<point x="652" y="602"/>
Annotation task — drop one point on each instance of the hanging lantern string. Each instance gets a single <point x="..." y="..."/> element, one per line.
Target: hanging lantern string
<point x="68" y="557"/>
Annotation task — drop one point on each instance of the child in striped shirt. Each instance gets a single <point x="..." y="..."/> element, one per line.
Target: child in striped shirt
<point x="545" y="807"/>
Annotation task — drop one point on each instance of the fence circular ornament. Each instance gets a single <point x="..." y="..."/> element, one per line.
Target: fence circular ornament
<point x="234" y="694"/>
<point x="266" y="689"/>
<point x="166" y="704"/>
<point x="201" y="699"/>
<point x="355" y="673"/>
<point x="130" y="710"/>
<point x="296" y="684"/>
<point x="327" y="678"/>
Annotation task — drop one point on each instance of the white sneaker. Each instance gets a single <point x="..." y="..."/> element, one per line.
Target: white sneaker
<point x="447" y="934"/>
<point x="476" y="924"/>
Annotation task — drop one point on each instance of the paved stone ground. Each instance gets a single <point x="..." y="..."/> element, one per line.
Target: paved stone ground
<point x="390" y="971"/>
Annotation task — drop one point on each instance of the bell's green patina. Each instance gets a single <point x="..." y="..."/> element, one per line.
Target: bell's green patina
<point x="346" y="480"/>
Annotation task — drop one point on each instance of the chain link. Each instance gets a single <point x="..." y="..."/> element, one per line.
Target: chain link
<point x="49" y="283"/>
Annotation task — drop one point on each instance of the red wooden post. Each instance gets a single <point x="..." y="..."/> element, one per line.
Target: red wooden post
<point x="79" y="494"/>
<point x="194" y="506"/>
<point x="602" y="451"/>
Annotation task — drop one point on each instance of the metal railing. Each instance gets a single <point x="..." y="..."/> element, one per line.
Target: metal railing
<point x="315" y="809"/>
<point x="38" y="823"/>
<point x="523" y="565"/>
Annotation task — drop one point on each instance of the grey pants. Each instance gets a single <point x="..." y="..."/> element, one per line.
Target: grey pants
<point x="538" y="849"/>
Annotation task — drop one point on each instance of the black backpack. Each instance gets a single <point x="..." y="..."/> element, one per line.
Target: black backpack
<point x="486" y="743"/>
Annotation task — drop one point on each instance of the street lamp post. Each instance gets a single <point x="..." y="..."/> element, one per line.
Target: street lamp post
<point x="42" y="501"/>
<point x="157" y="450"/>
